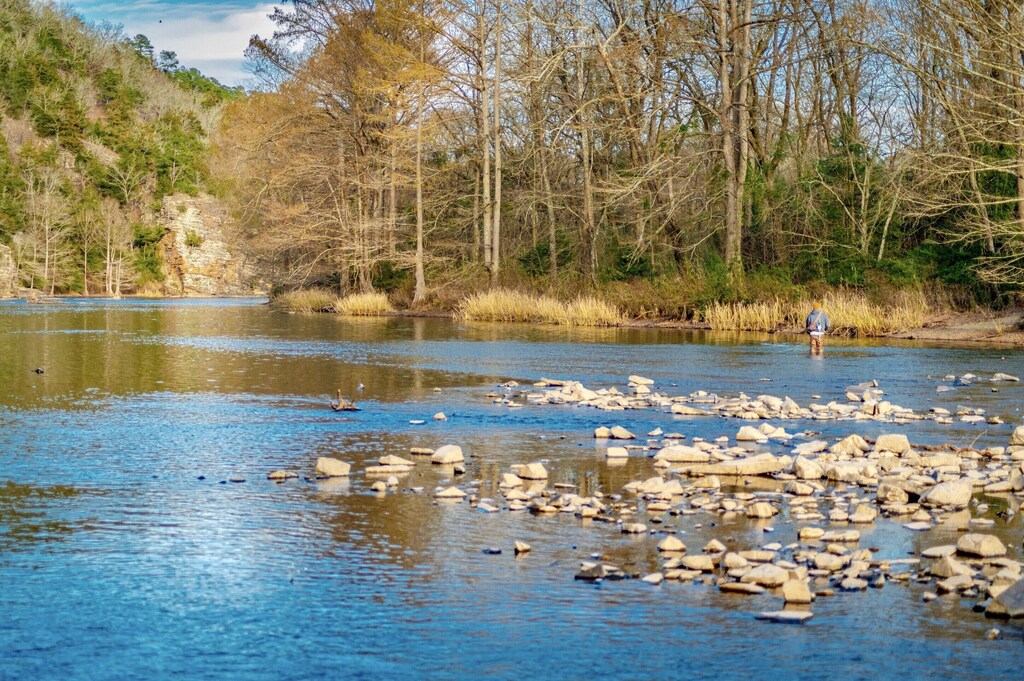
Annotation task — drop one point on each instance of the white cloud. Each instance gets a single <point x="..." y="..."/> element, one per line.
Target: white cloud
<point x="205" y="35"/>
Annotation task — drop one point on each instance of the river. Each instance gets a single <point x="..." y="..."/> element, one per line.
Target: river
<point x="125" y="552"/>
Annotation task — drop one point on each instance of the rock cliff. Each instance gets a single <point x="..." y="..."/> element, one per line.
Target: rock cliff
<point x="8" y="273"/>
<point x="197" y="258"/>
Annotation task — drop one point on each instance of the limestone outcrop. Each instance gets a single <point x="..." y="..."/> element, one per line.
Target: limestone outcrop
<point x="8" y="273"/>
<point x="198" y="260"/>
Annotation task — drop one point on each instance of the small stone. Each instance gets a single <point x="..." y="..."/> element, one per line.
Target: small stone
<point x="522" y="547"/>
<point x="853" y="584"/>
<point x="897" y="444"/>
<point x="918" y="527"/>
<point x="654" y="578"/>
<point x="439" y="416"/>
<point x="810" y="533"/>
<point x="449" y="493"/>
<point x="714" y="546"/>
<point x="956" y="493"/>
<point x="281" y="475"/>
<point x="741" y="588"/>
<point x="617" y="453"/>
<point x="993" y="634"/>
<point x="492" y="551"/>
<point x="671" y="544"/>
<point x="786" y="616"/>
<point x="634" y="528"/>
<point x="379" y="486"/>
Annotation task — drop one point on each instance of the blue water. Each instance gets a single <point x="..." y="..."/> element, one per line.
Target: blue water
<point x="118" y="561"/>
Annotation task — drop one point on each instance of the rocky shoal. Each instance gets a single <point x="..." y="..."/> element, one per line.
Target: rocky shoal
<point x="827" y="489"/>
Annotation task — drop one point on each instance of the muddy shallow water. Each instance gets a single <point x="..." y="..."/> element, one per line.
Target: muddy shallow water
<point x="118" y="561"/>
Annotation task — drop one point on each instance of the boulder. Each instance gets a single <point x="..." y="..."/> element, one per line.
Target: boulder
<point x="947" y="566"/>
<point x="682" y="454"/>
<point x="1012" y="599"/>
<point x="750" y="434"/>
<point x="532" y="471"/>
<point x="768" y="575"/>
<point x="700" y="563"/>
<point x="761" y="509"/>
<point x="956" y="493"/>
<point x="797" y="592"/>
<point x="754" y="465"/>
<point x="1017" y="438"/>
<point x="620" y="433"/>
<point x="327" y="467"/>
<point x="853" y="445"/>
<point x="806" y="469"/>
<point x="602" y="433"/>
<point x="634" y="528"/>
<point x="982" y="545"/>
<point x="889" y="493"/>
<point x="448" y="454"/>
<point x="897" y="444"/>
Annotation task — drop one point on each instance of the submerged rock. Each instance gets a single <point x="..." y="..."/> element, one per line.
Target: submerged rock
<point x="786" y="616"/>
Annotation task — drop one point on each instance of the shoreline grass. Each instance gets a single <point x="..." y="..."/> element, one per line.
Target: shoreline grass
<point x="851" y="313"/>
<point x="363" y="305"/>
<point x="504" y="305"/>
<point x="305" y="300"/>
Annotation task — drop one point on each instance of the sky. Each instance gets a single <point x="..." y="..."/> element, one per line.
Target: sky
<point x="209" y="36"/>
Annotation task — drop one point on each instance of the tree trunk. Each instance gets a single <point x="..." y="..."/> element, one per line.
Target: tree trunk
<point x="496" y="225"/>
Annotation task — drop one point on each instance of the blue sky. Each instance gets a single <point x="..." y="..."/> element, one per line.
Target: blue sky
<point x="209" y="36"/>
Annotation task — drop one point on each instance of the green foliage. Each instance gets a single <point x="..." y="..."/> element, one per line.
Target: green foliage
<point x="193" y="239"/>
<point x="12" y="187"/>
<point x="148" y="260"/>
<point x="625" y="263"/>
<point x="388" y="277"/>
<point x="536" y="262"/>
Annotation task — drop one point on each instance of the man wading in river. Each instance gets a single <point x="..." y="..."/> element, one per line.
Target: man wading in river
<point x="817" y="324"/>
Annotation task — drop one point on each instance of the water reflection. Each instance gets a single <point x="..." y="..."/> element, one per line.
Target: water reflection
<point x="148" y="410"/>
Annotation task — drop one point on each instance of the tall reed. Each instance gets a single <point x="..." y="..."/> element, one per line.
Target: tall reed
<point x="363" y="305"/>
<point x="503" y="305"/>
<point x="850" y="312"/>
<point x="305" y="300"/>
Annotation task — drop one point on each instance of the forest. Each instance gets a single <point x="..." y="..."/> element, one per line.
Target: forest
<point x="665" y="153"/>
<point x="98" y="129"/>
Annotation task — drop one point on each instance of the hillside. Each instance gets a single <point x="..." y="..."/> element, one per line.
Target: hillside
<point x="99" y="131"/>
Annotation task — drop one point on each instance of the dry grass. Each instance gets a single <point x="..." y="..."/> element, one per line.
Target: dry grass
<point x="306" y="300"/>
<point x="854" y="315"/>
<point x="762" y="316"/>
<point x="851" y="313"/>
<point x="502" y="305"/>
<point x="363" y="305"/>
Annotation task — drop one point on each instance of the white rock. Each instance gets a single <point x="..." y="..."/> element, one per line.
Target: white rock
<point x="616" y="453"/>
<point x="640" y="380"/>
<point x="768" y="575"/>
<point x="797" y="592"/>
<point x="955" y="493"/>
<point x="439" y="416"/>
<point x="897" y="444"/>
<point x="681" y="454"/>
<point x="671" y="544"/>
<point x="620" y="433"/>
<point x="327" y="467"/>
<point x="532" y="471"/>
<point x="450" y="493"/>
<point x="448" y="454"/>
<point x="983" y="545"/>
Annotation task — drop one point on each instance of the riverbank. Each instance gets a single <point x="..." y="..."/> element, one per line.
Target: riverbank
<point x="908" y="315"/>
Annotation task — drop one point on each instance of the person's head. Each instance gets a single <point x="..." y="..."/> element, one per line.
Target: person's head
<point x="816" y="305"/>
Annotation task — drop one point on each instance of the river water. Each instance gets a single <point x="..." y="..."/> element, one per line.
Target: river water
<point x="126" y="553"/>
